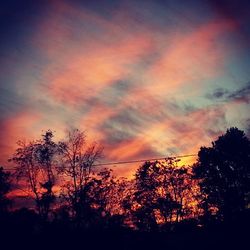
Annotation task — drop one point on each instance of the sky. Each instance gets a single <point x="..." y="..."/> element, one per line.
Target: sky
<point x="143" y="78"/>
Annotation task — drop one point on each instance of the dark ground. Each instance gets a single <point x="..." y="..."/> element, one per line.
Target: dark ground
<point x="218" y="236"/>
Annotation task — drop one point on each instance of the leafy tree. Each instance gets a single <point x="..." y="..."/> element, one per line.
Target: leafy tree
<point x="145" y="196"/>
<point x="104" y="192"/>
<point x="179" y="186"/>
<point x="5" y="186"/>
<point x="224" y="171"/>
<point x="154" y="202"/>
<point x="163" y="193"/>
<point x="101" y="198"/>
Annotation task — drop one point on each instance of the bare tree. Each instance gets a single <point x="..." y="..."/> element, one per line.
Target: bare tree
<point x="27" y="169"/>
<point x="34" y="165"/>
<point x="76" y="164"/>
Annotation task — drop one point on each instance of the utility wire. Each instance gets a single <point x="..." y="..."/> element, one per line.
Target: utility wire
<point x="142" y="160"/>
<point x="133" y="161"/>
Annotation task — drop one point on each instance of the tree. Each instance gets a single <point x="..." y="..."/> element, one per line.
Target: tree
<point x="152" y="196"/>
<point x="34" y="165"/>
<point x="45" y="152"/>
<point x="180" y="186"/>
<point x="27" y="169"/>
<point x="145" y="196"/>
<point x="76" y="163"/>
<point x="5" y="186"/>
<point x="101" y="198"/>
<point x="104" y="192"/>
<point x="163" y="193"/>
<point x="223" y="171"/>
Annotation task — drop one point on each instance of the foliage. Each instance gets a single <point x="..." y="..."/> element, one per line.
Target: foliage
<point x="224" y="172"/>
<point x="162" y="196"/>
<point x="163" y="191"/>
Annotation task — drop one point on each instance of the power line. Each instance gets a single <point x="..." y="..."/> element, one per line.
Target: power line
<point x="142" y="160"/>
<point x="133" y="161"/>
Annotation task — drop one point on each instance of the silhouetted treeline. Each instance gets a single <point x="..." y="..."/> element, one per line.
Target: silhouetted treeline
<point x="72" y="197"/>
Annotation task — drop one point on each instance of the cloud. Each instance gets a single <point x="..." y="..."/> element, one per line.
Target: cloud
<point x="87" y="58"/>
<point x="217" y="94"/>
<point x="133" y="78"/>
<point x="191" y="58"/>
<point x="18" y="127"/>
<point x="241" y="95"/>
<point x="25" y="125"/>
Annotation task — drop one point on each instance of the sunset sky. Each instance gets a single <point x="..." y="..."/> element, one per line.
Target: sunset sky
<point x="144" y="78"/>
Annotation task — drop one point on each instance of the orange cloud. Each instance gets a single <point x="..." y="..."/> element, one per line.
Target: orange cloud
<point x="88" y="54"/>
<point x="85" y="75"/>
<point x="81" y="67"/>
<point x="21" y="126"/>
<point x="190" y="58"/>
<point x="91" y="121"/>
<point x="127" y="149"/>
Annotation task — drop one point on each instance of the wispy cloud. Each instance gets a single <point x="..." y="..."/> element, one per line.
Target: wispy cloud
<point x="135" y="77"/>
<point x="240" y="95"/>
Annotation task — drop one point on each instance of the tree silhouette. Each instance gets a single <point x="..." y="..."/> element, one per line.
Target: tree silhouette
<point x="180" y="187"/>
<point x="45" y="153"/>
<point x="34" y="165"/>
<point x="100" y="200"/>
<point x="76" y="163"/>
<point x="27" y="169"/>
<point x="5" y="186"/>
<point x="146" y="196"/>
<point x="152" y="195"/>
<point x="104" y="191"/>
<point x="164" y="192"/>
<point x="224" y="171"/>
<point x="162" y="198"/>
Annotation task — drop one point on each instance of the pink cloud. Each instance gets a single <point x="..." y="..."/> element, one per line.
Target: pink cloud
<point x="191" y="57"/>
<point x="19" y="127"/>
<point x="84" y="61"/>
<point x="85" y="75"/>
<point x="81" y="67"/>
